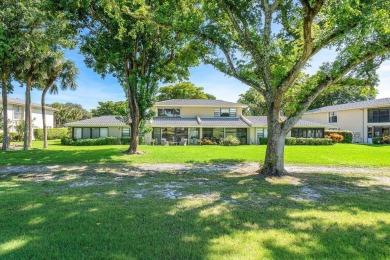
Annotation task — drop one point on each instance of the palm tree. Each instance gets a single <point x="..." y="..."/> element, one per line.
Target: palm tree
<point x="60" y="75"/>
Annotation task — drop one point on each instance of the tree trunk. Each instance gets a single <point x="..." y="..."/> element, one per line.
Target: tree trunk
<point x="44" y="118"/>
<point x="274" y="157"/>
<point x="5" y="108"/>
<point x="134" y="135"/>
<point x="27" y="117"/>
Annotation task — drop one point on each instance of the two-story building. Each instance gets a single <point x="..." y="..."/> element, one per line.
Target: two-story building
<point x="193" y="119"/>
<point x="15" y="113"/>
<point x="366" y="119"/>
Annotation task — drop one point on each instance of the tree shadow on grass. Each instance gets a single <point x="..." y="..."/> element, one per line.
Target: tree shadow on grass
<point x="235" y="216"/>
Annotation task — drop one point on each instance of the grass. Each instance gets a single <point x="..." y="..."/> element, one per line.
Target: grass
<point x="340" y="154"/>
<point x="76" y="215"/>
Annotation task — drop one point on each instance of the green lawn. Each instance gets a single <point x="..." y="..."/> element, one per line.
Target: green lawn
<point x="340" y="154"/>
<point x="79" y="215"/>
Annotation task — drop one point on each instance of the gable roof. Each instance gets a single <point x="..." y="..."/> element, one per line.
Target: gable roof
<point x="228" y="122"/>
<point x="21" y="102"/>
<point x="101" y="121"/>
<point x="198" y="103"/>
<point x="354" y="105"/>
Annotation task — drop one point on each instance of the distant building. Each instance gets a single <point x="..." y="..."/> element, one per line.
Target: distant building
<point x="366" y="119"/>
<point x="193" y="119"/>
<point x="15" y="112"/>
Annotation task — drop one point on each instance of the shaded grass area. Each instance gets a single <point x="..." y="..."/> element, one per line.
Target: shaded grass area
<point x="340" y="154"/>
<point x="194" y="216"/>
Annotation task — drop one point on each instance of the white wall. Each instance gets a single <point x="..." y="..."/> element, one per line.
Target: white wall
<point x="36" y="115"/>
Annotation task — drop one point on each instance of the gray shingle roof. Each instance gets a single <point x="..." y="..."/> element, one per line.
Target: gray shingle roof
<point x="355" y="105"/>
<point x="261" y="121"/>
<point x="98" y="121"/>
<point x="223" y="122"/>
<point x="21" y="102"/>
<point x="173" y="121"/>
<point x="256" y="121"/>
<point x="198" y="103"/>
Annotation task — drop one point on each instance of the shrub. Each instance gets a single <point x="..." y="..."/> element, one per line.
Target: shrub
<point x="207" y="141"/>
<point x="141" y="140"/>
<point x="231" y="141"/>
<point x="386" y="139"/>
<point x="377" y="140"/>
<point x="302" y="141"/>
<point x="348" y="135"/>
<point x="52" y="133"/>
<point x="89" y="142"/>
<point x="125" y="140"/>
<point x="336" y="138"/>
<point x="263" y="141"/>
<point x="13" y="137"/>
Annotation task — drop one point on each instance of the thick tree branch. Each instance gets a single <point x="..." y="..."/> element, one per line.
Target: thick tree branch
<point x="325" y="83"/>
<point x="308" y="47"/>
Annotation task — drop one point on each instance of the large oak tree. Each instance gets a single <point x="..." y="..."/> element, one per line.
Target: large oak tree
<point x="139" y="53"/>
<point x="268" y="44"/>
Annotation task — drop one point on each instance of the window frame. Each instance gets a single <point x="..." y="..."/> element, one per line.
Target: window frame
<point x="378" y="115"/>
<point x="161" y="112"/>
<point x="333" y="117"/>
<point x="228" y="112"/>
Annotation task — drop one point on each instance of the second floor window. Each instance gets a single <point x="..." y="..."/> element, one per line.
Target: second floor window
<point x="18" y="112"/>
<point x="333" y="117"/>
<point x="225" y="112"/>
<point x="379" y="115"/>
<point x="169" y="112"/>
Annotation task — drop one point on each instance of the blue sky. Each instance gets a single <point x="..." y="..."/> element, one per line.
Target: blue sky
<point x="92" y="88"/>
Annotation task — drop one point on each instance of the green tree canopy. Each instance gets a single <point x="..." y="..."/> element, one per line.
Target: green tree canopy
<point x="138" y="53"/>
<point x="183" y="90"/>
<point x="69" y="112"/>
<point x="255" y="101"/>
<point x="41" y="32"/>
<point x="118" y="108"/>
<point x="268" y="44"/>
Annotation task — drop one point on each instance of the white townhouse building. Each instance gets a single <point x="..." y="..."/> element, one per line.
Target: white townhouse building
<point x="15" y="112"/>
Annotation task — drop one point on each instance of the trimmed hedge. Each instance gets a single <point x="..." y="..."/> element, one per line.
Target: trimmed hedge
<point x="263" y="141"/>
<point x="52" y="133"/>
<point x="348" y="135"/>
<point x="301" y="141"/>
<point x="97" y="141"/>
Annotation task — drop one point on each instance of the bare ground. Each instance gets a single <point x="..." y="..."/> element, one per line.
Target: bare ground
<point x="97" y="175"/>
<point x="140" y="169"/>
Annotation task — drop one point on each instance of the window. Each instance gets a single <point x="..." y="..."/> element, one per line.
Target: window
<point x="95" y="132"/>
<point x="379" y="115"/>
<point x="333" y="117"/>
<point x="18" y="112"/>
<point x="125" y="132"/>
<point x="225" y="112"/>
<point x="103" y="132"/>
<point x="157" y="135"/>
<point x="307" y="133"/>
<point x="77" y="133"/>
<point x="260" y="133"/>
<point x="168" y="112"/>
<point x="86" y="133"/>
